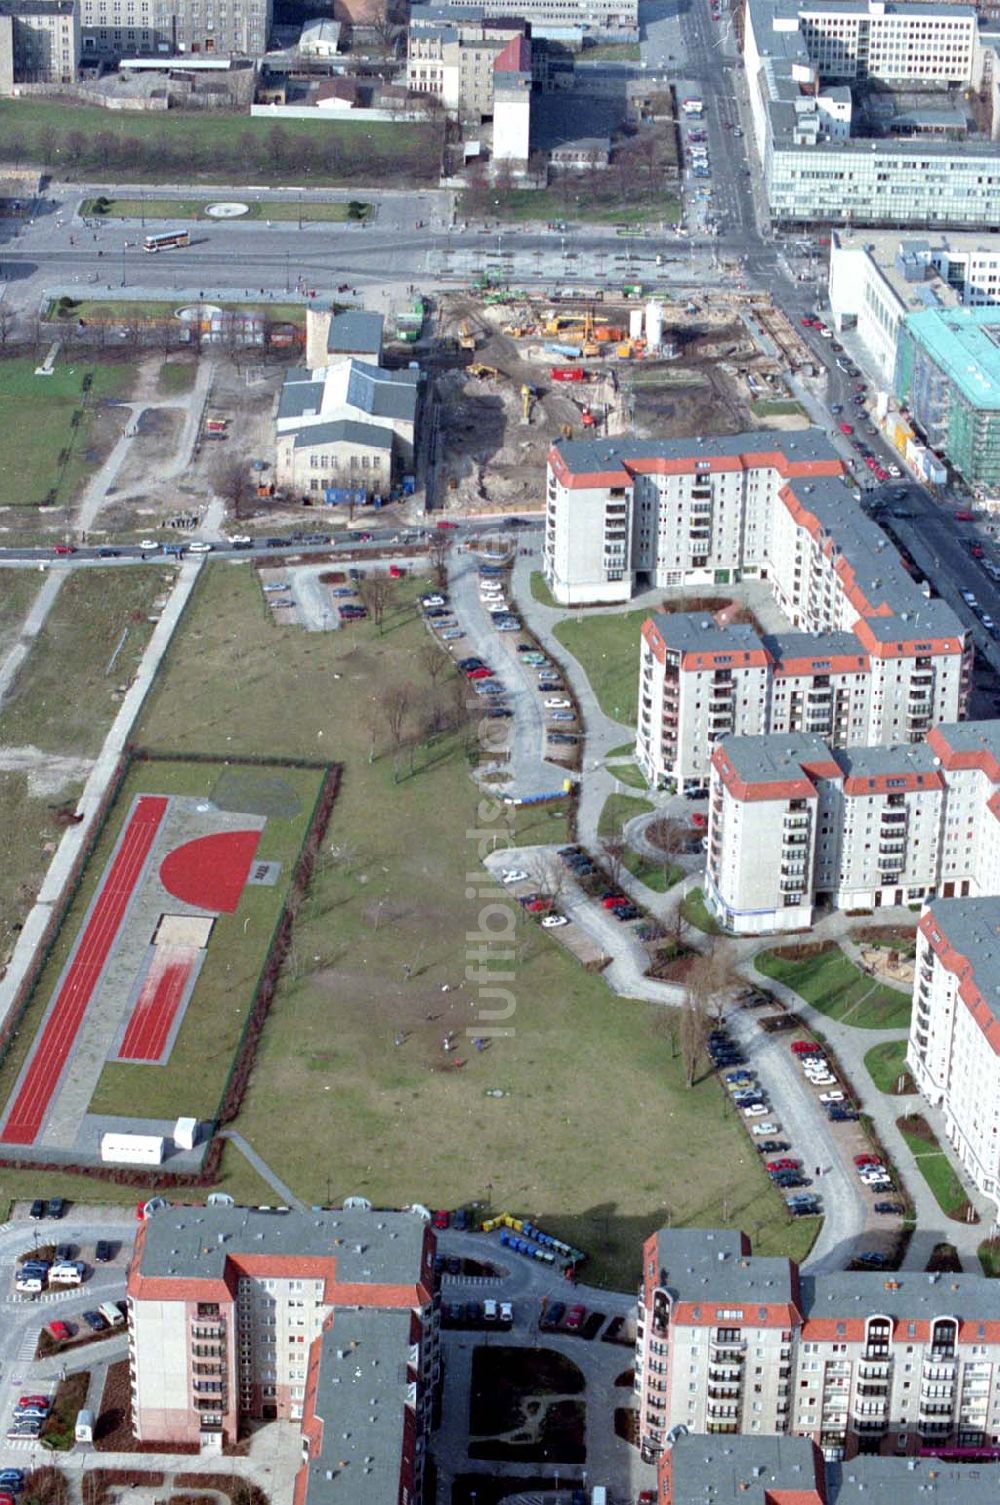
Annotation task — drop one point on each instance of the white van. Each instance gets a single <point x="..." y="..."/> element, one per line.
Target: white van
<point x="69" y="1272"/>
<point x="31" y="1285"/>
<point x="111" y="1314"/>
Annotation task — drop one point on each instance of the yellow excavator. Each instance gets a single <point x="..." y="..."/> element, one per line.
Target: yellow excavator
<point x="466" y="339"/>
<point x="484" y="373"/>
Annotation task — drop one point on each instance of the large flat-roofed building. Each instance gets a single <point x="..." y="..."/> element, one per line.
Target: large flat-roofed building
<point x="948" y="375"/>
<point x="39" y="42"/>
<point x="878" y="278"/>
<point x="732" y="1343"/>
<point x="618" y="19"/>
<point x="923" y="164"/>
<point x="326" y="1319"/>
<point x="170" y="28"/>
<point x="795" y="823"/>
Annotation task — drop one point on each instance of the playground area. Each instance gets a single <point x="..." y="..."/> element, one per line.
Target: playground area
<point x="156" y="968"/>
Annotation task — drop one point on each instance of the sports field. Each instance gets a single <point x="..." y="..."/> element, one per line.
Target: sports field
<point x="111" y="982"/>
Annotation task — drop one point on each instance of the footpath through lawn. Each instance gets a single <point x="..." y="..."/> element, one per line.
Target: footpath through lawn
<point x="578" y="1117"/>
<point x="827" y="979"/>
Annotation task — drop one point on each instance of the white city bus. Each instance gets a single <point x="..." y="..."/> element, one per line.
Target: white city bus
<point x="166" y="242"/>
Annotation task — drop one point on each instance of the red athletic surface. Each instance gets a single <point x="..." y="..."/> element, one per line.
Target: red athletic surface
<point x="210" y="871"/>
<point x="146" y="1033"/>
<point x="54" y="1044"/>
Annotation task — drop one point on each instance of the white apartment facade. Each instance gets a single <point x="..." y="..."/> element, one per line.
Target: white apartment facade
<point x="794" y="823"/>
<point x="699" y="682"/>
<point x="728" y="1342"/>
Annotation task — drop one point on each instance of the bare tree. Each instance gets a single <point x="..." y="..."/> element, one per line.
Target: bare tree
<point x="670" y="836"/>
<point x="711" y="980"/>
<point x="549" y="877"/>
<point x="692" y="1033"/>
<point x="433" y="661"/>
<point x="437" y="551"/>
<point x="231" y="480"/>
<point x="8" y="319"/>
<point x="394" y="703"/>
<point x="376" y="593"/>
<point x="613" y="849"/>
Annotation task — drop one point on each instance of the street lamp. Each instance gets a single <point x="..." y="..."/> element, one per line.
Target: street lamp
<point x="123" y="266"/>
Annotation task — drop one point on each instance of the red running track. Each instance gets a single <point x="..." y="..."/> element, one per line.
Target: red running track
<point x="148" y="1029"/>
<point x="53" y="1046"/>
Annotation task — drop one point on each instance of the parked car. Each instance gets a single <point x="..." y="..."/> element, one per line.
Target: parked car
<point x="441" y="1218"/>
<point x="575" y="1316"/>
<point x="37" y="1210"/>
<point x="60" y="1331"/>
<point x="513" y="875"/>
<point x="553" y="1314"/>
<point x="773" y="1146"/>
<point x="889" y="1209"/>
<point x="766" y="1130"/>
<point x="867" y="1159"/>
<point x="506" y="1313"/>
<point x="831" y="1097"/>
<point x="872" y="1259"/>
<point x="554" y="921"/>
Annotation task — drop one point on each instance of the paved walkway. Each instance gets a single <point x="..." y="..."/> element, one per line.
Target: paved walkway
<point x="89" y="805"/>
<point x="288" y="1197"/>
<point x="33" y="624"/>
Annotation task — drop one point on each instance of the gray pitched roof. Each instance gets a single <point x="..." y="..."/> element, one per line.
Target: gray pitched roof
<point x="299" y="395"/>
<point x="355" y="333"/>
<point x="344" y="431"/>
<point x="383" y="394"/>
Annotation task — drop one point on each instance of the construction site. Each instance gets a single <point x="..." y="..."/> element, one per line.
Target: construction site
<point x="511" y="376"/>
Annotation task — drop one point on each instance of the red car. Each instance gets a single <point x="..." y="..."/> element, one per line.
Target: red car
<point x="699" y="820"/>
<point x="34" y="1402"/>
<point x="575" y="1316"/>
<point x="365" y="537"/>
<point x="976" y="550"/>
<point x="866" y="1159"/>
<point x="960" y="517"/>
<point x="64" y="548"/>
<point x="881" y="474"/>
<point x="538" y="905"/>
<point x="784" y="1164"/>
<point x="847" y="428"/>
<point x="615" y="901"/>
<point x="60" y="1331"/>
<point x="482" y="673"/>
<point x="396" y="572"/>
<point x="802" y="1047"/>
<point x="441" y="1218"/>
<point x="806" y="323"/>
<point x="444" y="524"/>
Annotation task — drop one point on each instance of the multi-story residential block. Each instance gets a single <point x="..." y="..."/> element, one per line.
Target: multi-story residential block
<point x="925" y="166"/>
<point x="326" y="1318"/>
<point x="792" y="1471"/>
<point x="39" y="42"/>
<point x="794" y="822"/>
<point x="878" y="278"/>
<point x="169" y="28"/>
<point x="729" y="1342"/>
<point x="455" y="62"/>
<point x="699" y="682"/>
<point x="948" y="375"/>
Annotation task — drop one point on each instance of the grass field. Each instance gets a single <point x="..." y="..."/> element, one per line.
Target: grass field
<point x="837" y="988"/>
<point x="989" y="1257"/>
<point x="85" y="141"/>
<point x="607" y="649"/>
<point x="614" y="52"/>
<point x="937" y="1171"/>
<point x="18" y="589"/>
<point x="628" y="773"/>
<point x="886" y="1063"/>
<point x="28" y="832"/>
<point x="520" y="205"/>
<point x="540" y="590"/>
<point x="619" y="808"/>
<point x="64" y="698"/>
<point x="169" y="209"/>
<point x="39" y="424"/>
<point x="176" y="378"/>
<point x="775" y="407"/>
<point x="140" y="310"/>
<point x="384" y="931"/>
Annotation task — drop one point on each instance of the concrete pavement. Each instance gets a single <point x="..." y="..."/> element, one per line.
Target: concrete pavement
<point x="33" y="624"/>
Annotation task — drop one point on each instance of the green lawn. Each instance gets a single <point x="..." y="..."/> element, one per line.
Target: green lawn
<point x="937" y="1171"/>
<point x="776" y="407"/>
<point x="64" y="696"/>
<point x="886" y="1063"/>
<point x="386" y="929"/>
<point x="989" y="1257"/>
<point x="302" y="211"/>
<point x="540" y="590"/>
<point x="836" y="987"/>
<point x="616" y="52"/>
<point x="176" y="378"/>
<point x="607" y="649"/>
<point x="140" y="310"/>
<point x="628" y="773"/>
<point x="28" y="835"/>
<point x="85" y="141"/>
<point x="655" y="875"/>
<point x="519" y="205"/>
<point x="46" y="447"/>
<point x="697" y="913"/>
<point x="619" y="808"/>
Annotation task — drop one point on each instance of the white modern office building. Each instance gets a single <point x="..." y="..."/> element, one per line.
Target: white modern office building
<point x="878" y="277"/>
<point x="922" y="160"/>
<point x="795" y="824"/>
